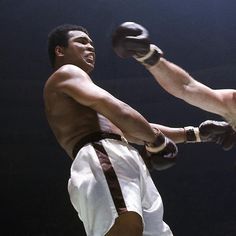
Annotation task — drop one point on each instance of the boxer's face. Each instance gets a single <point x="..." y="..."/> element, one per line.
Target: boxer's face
<point x="80" y="51"/>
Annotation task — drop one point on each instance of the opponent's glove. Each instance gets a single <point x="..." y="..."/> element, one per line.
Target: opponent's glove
<point x="132" y="40"/>
<point x="218" y="132"/>
<point x="160" y="155"/>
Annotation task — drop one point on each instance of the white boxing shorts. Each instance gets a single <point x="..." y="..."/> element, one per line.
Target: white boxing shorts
<point x="109" y="178"/>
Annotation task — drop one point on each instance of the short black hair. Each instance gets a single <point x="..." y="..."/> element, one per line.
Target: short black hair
<point x="59" y="37"/>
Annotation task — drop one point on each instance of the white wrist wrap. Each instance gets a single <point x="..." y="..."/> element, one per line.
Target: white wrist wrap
<point x="197" y="134"/>
<point x="192" y="134"/>
<point x="153" y="48"/>
<point x="156" y="149"/>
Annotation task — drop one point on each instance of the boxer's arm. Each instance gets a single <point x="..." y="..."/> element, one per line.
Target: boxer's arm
<point x="218" y="132"/>
<point x="132" y="40"/>
<point x="179" y="83"/>
<point x="132" y="139"/>
<point x="75" y="83"/>
<point x="78" y="85"/>
<point x="176" y="134"/>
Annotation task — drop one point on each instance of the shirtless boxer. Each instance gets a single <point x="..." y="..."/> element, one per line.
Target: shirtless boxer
<point x="110" y="187"/>
<point x="132" y="39"/>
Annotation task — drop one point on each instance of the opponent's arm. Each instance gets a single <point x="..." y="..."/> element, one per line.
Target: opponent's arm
<point x="179" y="83"/>
<point x="131" y="39"/>
<point x="176" y="134"/>
<point x="219" y="132"/>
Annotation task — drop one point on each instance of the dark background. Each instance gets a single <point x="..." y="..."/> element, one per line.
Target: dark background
<point x="199" y="35"/>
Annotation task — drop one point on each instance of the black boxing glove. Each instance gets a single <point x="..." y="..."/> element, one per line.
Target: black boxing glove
<point x="132" y="40"/>
<point x="161" y="154"/>
<point x="218" y="132"/>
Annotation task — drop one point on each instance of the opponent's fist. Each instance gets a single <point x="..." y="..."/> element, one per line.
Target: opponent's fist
<point x="162" y="154"/>
<point x="219" y="132"/>
<point x="132" y="40"/>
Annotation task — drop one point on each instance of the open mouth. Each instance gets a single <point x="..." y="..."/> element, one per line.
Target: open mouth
<point x="90" y="57"/>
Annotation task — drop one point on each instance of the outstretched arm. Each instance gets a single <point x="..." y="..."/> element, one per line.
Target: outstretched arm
<point x="132" y="40"/>
<point x="219" y="132"/>
<point x="178" y="135"/>
<point x="179" y="83"/>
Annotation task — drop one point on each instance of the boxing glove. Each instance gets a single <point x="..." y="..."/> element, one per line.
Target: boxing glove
<point x="132" y="40"/>
<point x="162" y="153"/>
<point x="218" y="132"/>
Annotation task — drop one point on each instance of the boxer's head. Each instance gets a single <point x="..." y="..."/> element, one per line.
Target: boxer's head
<point x="71" y="44"/>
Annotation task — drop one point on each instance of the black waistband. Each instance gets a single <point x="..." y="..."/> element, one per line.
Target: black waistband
<point x="94" y="137"/>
